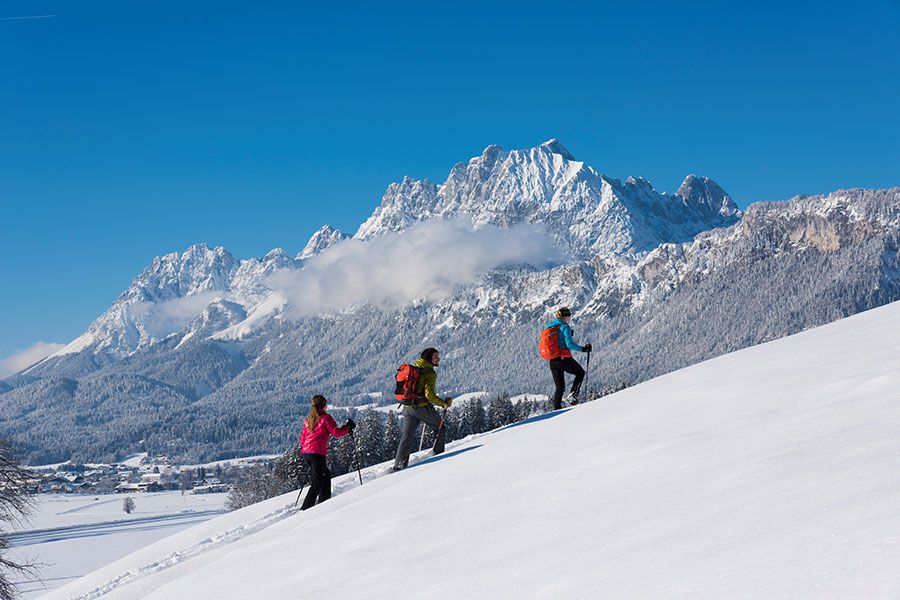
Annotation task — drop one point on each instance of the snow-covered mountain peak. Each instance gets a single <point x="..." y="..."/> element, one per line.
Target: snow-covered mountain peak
<point x="321" y="240"/>
<point x="554" y="146"/>
<point x="175" y="275"/>
<point x="586" y="212"/>
<point x="704" y="192"/>
<point x="588" y="215"/>
<point x="403" y="203"/>
<point x="278" y="256"/>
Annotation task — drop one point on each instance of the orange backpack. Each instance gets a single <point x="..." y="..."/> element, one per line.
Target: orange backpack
<point x="407" y="378"/>
<point x="549" y="345"/>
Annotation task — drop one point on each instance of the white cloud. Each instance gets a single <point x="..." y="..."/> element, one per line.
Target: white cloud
<point x="160" y="319"/>
<point x="25" y="358"/>
<point x="430" y="260"/>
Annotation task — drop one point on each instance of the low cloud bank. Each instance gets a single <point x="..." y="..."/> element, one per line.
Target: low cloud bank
<point x="160" y="319"/>
<point x="428" y="260"/>
<point x="23" y="359"/>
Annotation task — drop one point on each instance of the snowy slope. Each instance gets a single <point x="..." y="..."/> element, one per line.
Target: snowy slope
<point x="770" y="472"/>
<point x="71" y="536"/>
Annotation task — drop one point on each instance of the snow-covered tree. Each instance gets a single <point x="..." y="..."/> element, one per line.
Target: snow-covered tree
<point x="128" y="505"/>
<point x="256" y="484"/>
<point x="391" y="435"/>
<point x="370" y="439"/>
<point x="500" y="412"/>
<point x="291" y="468"/>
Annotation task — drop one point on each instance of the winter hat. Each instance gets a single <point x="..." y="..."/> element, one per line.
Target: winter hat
<point x="563" y="312"/>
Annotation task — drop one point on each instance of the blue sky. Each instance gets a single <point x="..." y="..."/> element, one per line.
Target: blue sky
<point x="129" y="130"/>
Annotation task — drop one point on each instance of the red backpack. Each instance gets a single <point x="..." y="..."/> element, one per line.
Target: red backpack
<point x="407" y="378"/>
<point x="549" y="344"/>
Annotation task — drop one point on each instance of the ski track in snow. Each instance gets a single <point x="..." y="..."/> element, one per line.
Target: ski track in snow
<point x="87" y="506"/>
<point x="226" y="537"/>
<point x="186" y="554"/>
<point x="55" y="534"/>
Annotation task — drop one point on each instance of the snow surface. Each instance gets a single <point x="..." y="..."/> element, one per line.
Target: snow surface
<point x="767" y="473"/>
<point x="75" y="535"/>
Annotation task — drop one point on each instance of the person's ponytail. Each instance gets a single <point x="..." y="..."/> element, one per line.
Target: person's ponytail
<point x="316" y="406"/>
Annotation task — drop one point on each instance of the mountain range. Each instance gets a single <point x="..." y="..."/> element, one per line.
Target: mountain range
<point x="207" y="356"/>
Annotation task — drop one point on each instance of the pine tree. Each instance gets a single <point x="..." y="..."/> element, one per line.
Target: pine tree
<point x="500" y="412"/>
<point x="291" y="468"/>
<point x="370" y="439"/>
<point x="342" y="455"/>
<point x="128" y="505"/>
<point x="391" y="435"/>
<point x="464" y="423"/>
<point x="451" y="425"/>
<point x="476" y="414"/>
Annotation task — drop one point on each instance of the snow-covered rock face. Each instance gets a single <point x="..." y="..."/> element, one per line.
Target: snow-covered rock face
<point x="625" y="246"/>
<point x="322" y="240"/>
<point x="588" y="213"/>
<point x="703" y="191"/>
<point x="200" y="291"/>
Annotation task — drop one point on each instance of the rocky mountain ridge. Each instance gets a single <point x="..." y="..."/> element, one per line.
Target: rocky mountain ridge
<point x="199" y="356"/>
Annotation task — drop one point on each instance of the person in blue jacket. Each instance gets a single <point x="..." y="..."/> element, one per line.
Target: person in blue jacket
<point x="564" y="363"/>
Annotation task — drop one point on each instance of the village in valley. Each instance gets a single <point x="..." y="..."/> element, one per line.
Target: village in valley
<point x="142" y="474"/>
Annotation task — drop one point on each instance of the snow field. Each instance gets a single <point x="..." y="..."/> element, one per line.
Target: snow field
<point x="71" y="536"/>
<point x="767" y="473"/>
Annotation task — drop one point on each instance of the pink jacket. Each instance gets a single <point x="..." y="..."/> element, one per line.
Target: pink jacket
<point x="316" y="441"/>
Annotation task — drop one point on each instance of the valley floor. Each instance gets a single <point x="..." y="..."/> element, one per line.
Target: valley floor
<point x="74" y="535"/>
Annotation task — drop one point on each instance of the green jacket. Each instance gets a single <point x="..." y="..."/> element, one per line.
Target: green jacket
<point x="426" y="384"/>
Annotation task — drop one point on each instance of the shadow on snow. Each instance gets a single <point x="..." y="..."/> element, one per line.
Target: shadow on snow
<point x="535" y="419"/>
<point x="443" y="456"/>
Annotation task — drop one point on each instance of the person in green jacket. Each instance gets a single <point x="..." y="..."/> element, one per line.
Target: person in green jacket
<point x="422" y="410"/>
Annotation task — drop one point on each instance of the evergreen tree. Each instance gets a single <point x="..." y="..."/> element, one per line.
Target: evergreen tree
<point x="475" y="412"/>
<point x="128" y="505"/>
<point x="391" y="435"/>
<point x="341" y="455"/>
<point x="291" y="468"/>
<point x="464" y="423"/>
<point x="370" y="439"/>
<point x="451" y="425"/>
<point x="500" y="412"/>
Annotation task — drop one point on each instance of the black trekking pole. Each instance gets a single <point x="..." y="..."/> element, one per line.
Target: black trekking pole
<point x="587" y="372"/>
<point x="356" y="452"/>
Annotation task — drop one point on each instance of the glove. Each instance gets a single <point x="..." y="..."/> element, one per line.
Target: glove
<point x="351" y="424"/>
<point x="448" y="401"/>
<point x="587" y="348"/>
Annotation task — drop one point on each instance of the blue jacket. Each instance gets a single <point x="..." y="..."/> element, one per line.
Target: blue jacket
<point x="565" y="335"/>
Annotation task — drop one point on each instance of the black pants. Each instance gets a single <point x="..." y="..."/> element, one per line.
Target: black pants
<point x="559" y="367"/>
<point x="320" y="480"/>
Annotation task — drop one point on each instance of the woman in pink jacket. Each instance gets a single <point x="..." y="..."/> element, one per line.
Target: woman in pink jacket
<point x="318" y="427"/>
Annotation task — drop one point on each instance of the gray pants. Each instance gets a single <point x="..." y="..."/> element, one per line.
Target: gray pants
<point x="411" y="418"/>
